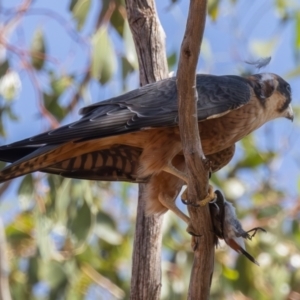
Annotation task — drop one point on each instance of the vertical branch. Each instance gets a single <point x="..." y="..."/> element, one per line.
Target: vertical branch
<point x="202" y="269"/>
<point x="4" y="286"/>
<point x="149" y="43"/>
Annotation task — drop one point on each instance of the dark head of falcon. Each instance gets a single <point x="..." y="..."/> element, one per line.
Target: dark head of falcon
<point x="268" y="84"/>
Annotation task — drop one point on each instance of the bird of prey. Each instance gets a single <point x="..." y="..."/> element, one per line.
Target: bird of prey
<point x="228" y="227"/>
<point x="135" y="137"/>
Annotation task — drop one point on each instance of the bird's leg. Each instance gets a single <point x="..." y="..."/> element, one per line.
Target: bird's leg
<point x="169" y="168"/>
<point x="169" y="203"/>
<point x="211" y="196"/>
<point x="255" y="231"/>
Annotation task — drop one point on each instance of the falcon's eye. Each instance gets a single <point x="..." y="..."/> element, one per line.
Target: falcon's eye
<point x="288" y="88"/>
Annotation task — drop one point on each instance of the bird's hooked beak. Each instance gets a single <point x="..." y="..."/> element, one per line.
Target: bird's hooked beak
<point x="289" y="113"/>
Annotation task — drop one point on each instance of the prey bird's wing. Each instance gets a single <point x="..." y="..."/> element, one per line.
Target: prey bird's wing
<point x="151" y="106"/>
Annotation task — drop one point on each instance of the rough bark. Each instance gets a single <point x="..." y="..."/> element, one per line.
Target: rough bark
<point x="203" y="264"/>
<point x="150" y="47"/>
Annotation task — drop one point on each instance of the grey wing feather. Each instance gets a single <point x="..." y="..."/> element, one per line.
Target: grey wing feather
<point x="154" y="105"/>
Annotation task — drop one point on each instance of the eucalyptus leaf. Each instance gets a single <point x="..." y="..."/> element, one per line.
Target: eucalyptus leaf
<point x="81" y="224"/>
<point x="80" y="11"/>
<point x="53" y="273"/>
<point x="297" y="32"/>
<point x="130" y="52"/>
<point x="213" y="9"/>
<point x="3" y="67"/>
<point x="103" y="56"/>
<point x="38" y="50"/>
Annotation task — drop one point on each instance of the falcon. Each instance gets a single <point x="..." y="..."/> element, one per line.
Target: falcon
<point x="135" y="137"/>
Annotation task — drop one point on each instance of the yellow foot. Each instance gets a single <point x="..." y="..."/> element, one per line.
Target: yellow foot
<point x="210" y="197"/>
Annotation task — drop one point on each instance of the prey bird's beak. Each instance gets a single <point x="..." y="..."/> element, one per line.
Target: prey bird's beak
<point x="289" y="113"/>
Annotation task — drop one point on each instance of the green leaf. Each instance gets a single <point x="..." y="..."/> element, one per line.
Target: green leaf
<point x="252" y="157"/>
<point x="114" y="10"/>
<point x="63" y="200"/>
<point x="72" y="4"/>
<point x="126" y="67"/>
<point x="26" y="187"/>
<point x="230" y="273"/>
<point x="11" y="114"/>
<point x="172" y="59"/>
<point x="117" y="18"/>
<point x="4" y="67"/>
<point x="25" y="192"/>
<point x="103" y="56"/>
<point x="80" y="11"/>
<point x="105" y="229"/>
<point x="43" y="228"/>
<point x="81" y="224"/>
<point x="51" y="103"/>
<point x="130" y="52"/>
<point x="213" y="9"/>
<point x="38" y="50"/>
<point x="33" y="268"/>
<point x="59" y="85"/>
<point x="269" y="211"/>
<point x="297" y="31"/>
<point x="53" y="273"/>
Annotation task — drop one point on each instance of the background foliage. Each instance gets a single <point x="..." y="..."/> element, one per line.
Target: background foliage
<point x="72" y="239"/>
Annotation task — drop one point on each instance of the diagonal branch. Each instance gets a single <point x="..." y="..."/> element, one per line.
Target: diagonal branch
<point x="198" y="175"/>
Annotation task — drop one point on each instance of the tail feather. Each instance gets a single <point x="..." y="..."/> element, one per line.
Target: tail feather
<point x="234" y="244"/>
<point x="39" y="159"/>
<point x="116" y="163"/>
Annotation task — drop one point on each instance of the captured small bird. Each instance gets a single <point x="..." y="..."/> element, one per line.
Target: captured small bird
<point x="135" y="137"/>
<point x="228" y="227"/>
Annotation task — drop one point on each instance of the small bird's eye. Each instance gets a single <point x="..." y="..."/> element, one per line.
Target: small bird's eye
<point x="288" y="88"/>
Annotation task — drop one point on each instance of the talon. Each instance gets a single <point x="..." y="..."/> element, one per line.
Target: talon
<point x="207" y="164"/>
<point x="193" y="234"/>
<point x="194" y="243"/>
<point x="213" y="202"/>
<point x="191" y="231"/>
<point x="211" y="197"/>
<point x="255" y="231"/>
<point x="187" y="202"/>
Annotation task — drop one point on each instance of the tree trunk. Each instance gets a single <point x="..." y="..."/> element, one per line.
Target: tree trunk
<point x="150" y="47"/>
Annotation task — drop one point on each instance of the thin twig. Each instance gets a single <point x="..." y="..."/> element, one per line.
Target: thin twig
<point x="102" y="281"/>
